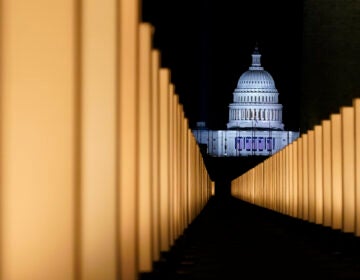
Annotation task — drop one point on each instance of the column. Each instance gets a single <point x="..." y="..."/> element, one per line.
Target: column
<point x="356" y="104"/>
<point x="144" y="146"/>
<point x="164" y="159"/>
<point x="348" y="168"/>
<point x="336" y="170"/>
<point x="326" y="154"/>
<point x="40" y="141"/>
<point x="155" y="130"/>
<point x="311" y="173"/>
<point x="127" y="105"/>
<point x="98" y="141"/>
<point x="319" y="192"/>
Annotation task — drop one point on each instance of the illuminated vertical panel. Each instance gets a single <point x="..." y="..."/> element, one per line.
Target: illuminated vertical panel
<point x="98" y="155"/>
<point x="173" y="148"/>
<point x="336" y="171"/>
<point x="128" y="20"/>
<point x="176" y="169"/>
<point x="305" y="180"/>
<point x="326" y="154"/>
<point x="356" y="104"/>
<point x="164" y="159"/>
<point x="277" y="186"/>
<point x="279" y="196"/>
<point x="178" y="159"/>
<point x="295" y="181"/>
<point x="311" y="173"/>
<point x="261" y="199"/>
<point x="271" y="182"/>
<point x="183" y="186"/>
<point x="189" y="176"/>
<point x="281" y="169"/>
<point x="39" y="139"/>
<point x="300" y="179"/>
<point x="252" y="179"/>
<point x="274" y="186"/>
<point x="284" y="167"/>
<point x="277" y="182"/>
<point x="290" y="179"/>
<point x="155" y="129"/>
<point x="348" y="168"/>
<point x="286" y="173"/>
<point x="268" y="184"/>
<point x="144" y="146"/>
<point x="319" y="199"/>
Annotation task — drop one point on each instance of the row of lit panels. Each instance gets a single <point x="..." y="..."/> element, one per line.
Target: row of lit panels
<point x="316" y="178"/>
<point x="100" y="172"/>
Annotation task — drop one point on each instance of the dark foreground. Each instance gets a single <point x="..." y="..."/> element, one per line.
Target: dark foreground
<point x="232" y="239"/>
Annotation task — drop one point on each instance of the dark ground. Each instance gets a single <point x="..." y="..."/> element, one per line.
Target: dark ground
<point x="232" y="239"/>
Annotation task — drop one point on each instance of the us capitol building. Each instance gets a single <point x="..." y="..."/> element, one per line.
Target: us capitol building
<point x="255" y="125"/>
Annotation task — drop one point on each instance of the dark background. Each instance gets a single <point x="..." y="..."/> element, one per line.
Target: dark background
<point x="207" y="45"/>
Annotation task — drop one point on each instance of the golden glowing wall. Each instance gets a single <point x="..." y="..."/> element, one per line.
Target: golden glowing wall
<point x="99" y="171"/>
<point x="316" y="178"/>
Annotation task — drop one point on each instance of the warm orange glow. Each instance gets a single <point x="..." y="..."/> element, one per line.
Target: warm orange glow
<point x="311" y="173"/>
<point x="356" y="105"/>
<point x="128" y="18"/>
<point x="155" y="129"/>
<point x="290" y="177"/>
<point x="40" y="143"/>
<point x="305" y="169"/>
<point x="164" y="159"/>
<point x="144" y="145"/>
<point x="326" y="153"/>
<point x="348" y="168"/>
<point x="314" y="178"/>
<point x="336" y="171"/>
<point x="98" y="190"/>
<point x="319" y="192"/>
<point x="300" y="179"/>
<point x="100" y="172"/>
<point x="294" y="177"/>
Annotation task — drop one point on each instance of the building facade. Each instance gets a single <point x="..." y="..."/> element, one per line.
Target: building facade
<point x="255" y="126"/>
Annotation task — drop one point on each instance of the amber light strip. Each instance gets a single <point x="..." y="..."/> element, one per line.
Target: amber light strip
<point x="319" y="188"/>
<point x="348" y="168"/>
<point x="315" y="178"/>
<point x="98" y="141"/>
<point x="356" y="104"/>
<point x="93" y="155"/>
<point x="40" y="91"/>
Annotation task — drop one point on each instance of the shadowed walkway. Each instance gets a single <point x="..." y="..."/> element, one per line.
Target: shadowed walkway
<point x="232" y="239"/>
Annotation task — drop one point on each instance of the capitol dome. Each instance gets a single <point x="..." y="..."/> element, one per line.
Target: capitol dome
<point x="255" y="102"/>
<point x="256" y="79"/>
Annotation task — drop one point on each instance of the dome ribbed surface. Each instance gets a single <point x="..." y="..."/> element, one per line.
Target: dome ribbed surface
<point x="256" y="79"/>
<point x="255" y="101"/>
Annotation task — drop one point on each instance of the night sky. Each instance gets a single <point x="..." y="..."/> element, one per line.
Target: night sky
<point x="207" y="45"/>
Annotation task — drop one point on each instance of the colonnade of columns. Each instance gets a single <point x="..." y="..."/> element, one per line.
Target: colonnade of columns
<point x="256" y="114"/>
<point x="99" y="170"/>
<point x="315" y="178"/>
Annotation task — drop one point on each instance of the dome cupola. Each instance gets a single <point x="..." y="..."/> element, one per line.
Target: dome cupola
<point x="255" y="101"/>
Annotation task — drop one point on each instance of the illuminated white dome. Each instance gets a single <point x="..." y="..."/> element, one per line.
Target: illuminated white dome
<point x="256" y="79"/>
<point x="255" y="100"/>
